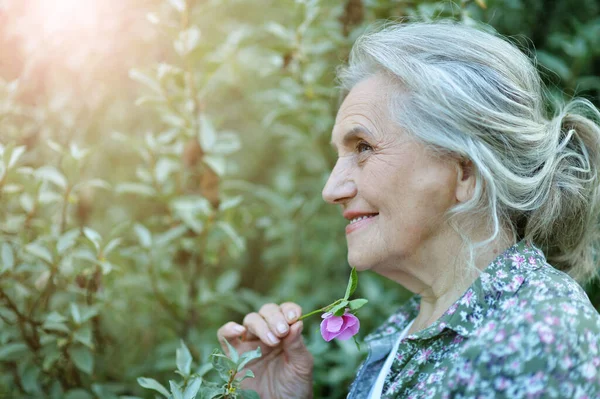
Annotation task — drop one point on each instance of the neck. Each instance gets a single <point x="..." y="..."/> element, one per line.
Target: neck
<point x="440" y="274"/>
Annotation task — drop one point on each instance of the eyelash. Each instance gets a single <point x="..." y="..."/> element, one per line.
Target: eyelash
<point x="363" y="144"/>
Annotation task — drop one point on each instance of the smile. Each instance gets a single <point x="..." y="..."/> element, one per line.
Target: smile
<point x="359" y="222"/>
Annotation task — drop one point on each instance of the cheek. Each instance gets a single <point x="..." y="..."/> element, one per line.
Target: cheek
<point x="419" y="199"/>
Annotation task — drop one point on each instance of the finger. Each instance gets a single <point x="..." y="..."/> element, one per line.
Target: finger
<point x="231" y="332"/>
<point x="295" y="348"/>
<point x="291" y="311"/>
<point x="275" y="319"/>
<point x="258" y="326"/>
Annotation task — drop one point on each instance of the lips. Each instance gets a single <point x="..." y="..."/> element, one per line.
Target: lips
<point x="358" y="220"/>
<point x="353" y="214"/>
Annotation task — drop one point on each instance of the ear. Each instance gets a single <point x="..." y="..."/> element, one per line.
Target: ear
<point x="465" y="180"/>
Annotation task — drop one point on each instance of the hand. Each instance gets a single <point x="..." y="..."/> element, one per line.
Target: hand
<point x="285" y="368"/>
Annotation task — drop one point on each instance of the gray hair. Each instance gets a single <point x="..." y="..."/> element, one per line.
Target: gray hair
<point x="474" y="95"/>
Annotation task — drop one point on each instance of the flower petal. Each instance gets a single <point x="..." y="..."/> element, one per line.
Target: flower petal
<point x="326" y="315"/>
<point x="327" y="336"/>
<point x="334" y="324"/>
<point x="349" y="332"/>
<point x="350" y="319"/>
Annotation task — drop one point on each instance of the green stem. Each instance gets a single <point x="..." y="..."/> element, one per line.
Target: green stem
<point x="322" y="310"/>
<point x="304" y="316"/>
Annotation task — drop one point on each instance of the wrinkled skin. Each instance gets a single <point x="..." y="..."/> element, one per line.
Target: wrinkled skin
<point x="285" y="367"/>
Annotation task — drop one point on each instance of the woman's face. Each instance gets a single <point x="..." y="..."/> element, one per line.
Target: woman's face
<point x="399" y="188"/>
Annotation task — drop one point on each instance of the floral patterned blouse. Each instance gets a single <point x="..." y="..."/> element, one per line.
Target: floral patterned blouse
<point x="523" y="329"/>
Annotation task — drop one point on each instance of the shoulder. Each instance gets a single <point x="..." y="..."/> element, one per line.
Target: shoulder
<point x="542" y="340"/>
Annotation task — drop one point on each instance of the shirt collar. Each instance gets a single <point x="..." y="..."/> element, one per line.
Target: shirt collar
<point x="499" y="281"/>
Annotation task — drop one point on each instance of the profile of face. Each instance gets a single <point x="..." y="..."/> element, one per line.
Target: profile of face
<point x="393" y="190"/>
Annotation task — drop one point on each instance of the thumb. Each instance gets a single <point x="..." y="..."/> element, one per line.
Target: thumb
<point x="293" y="343"/>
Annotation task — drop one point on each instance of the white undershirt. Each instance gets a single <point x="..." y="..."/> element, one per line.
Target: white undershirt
<point x="378" y="386"/>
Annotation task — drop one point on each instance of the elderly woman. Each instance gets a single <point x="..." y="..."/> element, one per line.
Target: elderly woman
<point x="458" y="186"/>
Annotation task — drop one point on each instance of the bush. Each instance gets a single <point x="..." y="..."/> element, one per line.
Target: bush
<point x="163" y="176"/>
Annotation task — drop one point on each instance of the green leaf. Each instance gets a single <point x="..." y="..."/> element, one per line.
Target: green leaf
<point x="352" y="283"/>
<point x="93" y="236"/>
<point x="356" y="343"/>
<point x="92" y="183"/>
<point x="52" y="355"/>
<point x="247" y="357"/>
<point x="233" y="353"/>
<point x="179" y="5"/>
<point x="192" y="389"/>
<point x="207" y="136"/>
<point x="222" y="364"/>
<point x="229" y="203"/>
<point x="141" y="189"/>
<point x="53" y="326"/>
<point x="78" y="394"/>
<point x="339" y="309"/>
<point x="145" y="80"/>
<point x="75" y="313"/>
<point x="39" y="251"/>
<point x="87" y="312"/>
<point x="150" y="383"/>
<point x="190" y="210"/>
<point x="26" y="202"/>
<point x="15" y="155"/>
<point x="143" y="234"/>
<point x="217" y="163"/>
<point x="51" y="174"/>
<point x="30" y="379"/>
<point x="164" y="168"/>
<point x="175" y="390"/>
<point x="184" y="359"/>
<point x="84" y="336"/>
<point x="187" y="41"/>
<point x="66" y="241"/>
<point x="112" y="244"/>
<point x="56" y="322"/>
<point x="8" y="259"/>
<point x="55" y="317"/>
<point x="248" y="374"/>
<point x="203" y="369"/>
<point x="55" y="146"/>
<point x="78" y="153"/>
<point x="211" y="391"/>
<point x="227" y="143"/>
<point x="357" y="303"/>
<point x="170" y="235"/>
<point x="82" y="358"/>
<point x="104" y="391"/>
<point x="248" y="394"/>
<point x="13" y="351"/>
<point x="227" y="281"/>
<point x="235" y="237"/>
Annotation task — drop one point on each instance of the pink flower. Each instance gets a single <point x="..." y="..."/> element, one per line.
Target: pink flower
<point x="340" y="327"/>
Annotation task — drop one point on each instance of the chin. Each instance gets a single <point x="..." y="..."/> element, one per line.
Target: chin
<point x="359" y="262"/>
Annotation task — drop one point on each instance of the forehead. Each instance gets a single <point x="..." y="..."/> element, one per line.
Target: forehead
<point x="366" y="108"/>
<point x="369" y="97"/>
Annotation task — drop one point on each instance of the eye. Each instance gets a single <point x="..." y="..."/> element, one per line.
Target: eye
<point x="363" y="146"/>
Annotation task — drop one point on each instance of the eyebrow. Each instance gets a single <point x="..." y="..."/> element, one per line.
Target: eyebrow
<point x="352" y="135"/>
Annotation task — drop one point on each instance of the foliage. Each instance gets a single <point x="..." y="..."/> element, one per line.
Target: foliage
<point x="229" y="369"/>
<point x="163" y="176"/>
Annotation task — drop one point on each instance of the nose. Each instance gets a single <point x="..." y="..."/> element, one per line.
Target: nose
<point x="340" y="187"/>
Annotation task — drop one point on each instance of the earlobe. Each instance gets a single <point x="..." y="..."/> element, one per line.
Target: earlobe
<point x="465" y="184"/>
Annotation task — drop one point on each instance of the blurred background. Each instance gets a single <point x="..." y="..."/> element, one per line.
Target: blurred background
<point x="161" y="164"/>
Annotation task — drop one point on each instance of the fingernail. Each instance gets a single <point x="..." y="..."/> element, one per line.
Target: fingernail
<point x="272" y="338"/>
<point x="238" y="329"/>
<point x="291" y="315"/>
<point x="282" y="328"/>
